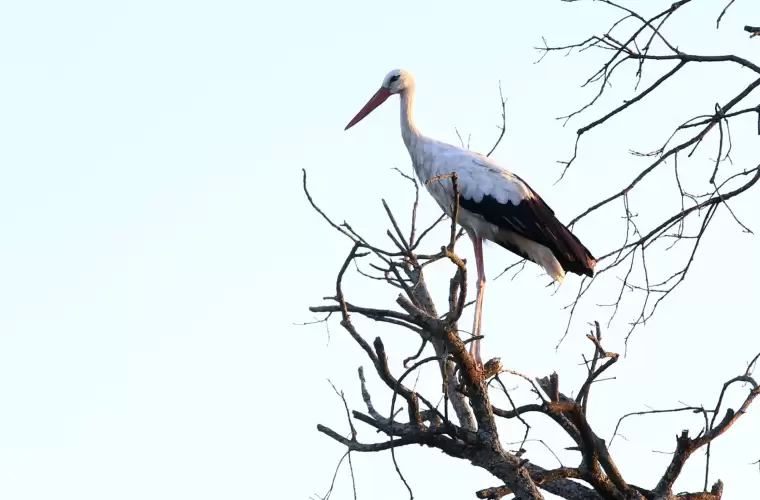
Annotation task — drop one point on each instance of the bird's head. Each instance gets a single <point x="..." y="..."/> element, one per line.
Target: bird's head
<point x="395" y="82"/>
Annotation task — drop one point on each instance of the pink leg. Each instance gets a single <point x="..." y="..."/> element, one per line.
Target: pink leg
<point x="475" y="345"/>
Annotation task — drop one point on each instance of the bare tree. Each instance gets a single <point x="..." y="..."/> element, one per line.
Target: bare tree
<point x="471" y="432"/>
<point x="641" y="41"/>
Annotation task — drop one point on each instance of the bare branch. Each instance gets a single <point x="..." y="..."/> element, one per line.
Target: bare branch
<point x="632" y="41"/>
<point x="685" y="445"/>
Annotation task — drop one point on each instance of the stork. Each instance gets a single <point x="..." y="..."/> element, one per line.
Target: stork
<point x="494" y="204"/>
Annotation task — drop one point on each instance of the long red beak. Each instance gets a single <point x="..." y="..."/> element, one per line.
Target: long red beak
<point x="376" y="100"/>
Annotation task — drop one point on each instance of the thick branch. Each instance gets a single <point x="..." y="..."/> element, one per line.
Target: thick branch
<point x="551" y="481"/>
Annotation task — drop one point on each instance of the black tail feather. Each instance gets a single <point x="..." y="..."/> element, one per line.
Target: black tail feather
<point x="534" y="220"/>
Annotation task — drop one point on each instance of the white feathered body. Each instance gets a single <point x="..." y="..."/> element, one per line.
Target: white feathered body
<point x="477" y="176"/>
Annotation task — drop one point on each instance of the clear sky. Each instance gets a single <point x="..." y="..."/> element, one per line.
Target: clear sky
<point x="157" y="249"/>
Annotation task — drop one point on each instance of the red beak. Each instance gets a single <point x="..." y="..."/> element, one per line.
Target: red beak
<point x="376" y="100"/>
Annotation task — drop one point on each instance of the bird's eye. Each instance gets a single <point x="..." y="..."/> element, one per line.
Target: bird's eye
<point x="394" y="78"/>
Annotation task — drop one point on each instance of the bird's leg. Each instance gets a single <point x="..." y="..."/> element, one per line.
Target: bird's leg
<point x="481" y="285"/>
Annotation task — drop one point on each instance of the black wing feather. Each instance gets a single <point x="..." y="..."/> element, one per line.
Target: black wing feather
<point x="533" y="219"/>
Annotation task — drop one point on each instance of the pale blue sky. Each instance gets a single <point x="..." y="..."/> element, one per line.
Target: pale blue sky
<point x="157" y="248"/>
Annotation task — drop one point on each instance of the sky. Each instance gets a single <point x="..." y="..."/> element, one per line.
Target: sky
<point x="158" y="253"/>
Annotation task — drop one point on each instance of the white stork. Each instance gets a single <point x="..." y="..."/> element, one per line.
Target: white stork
<point x="494" y="204"/>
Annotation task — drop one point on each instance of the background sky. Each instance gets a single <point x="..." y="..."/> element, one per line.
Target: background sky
<point x="157" y="250"/>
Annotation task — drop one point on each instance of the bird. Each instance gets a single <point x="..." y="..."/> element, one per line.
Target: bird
<point x="494" y="204"/>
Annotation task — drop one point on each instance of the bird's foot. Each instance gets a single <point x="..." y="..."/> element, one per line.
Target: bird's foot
<point x="492" y="368"/>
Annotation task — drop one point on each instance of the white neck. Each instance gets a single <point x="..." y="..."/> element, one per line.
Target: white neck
<point x="409" y="130"/>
